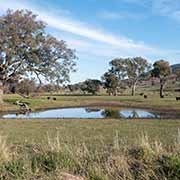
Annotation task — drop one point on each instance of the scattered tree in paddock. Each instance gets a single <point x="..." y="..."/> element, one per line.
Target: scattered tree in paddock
<point x="177" y="74"/>
<point x="49" y="88"/>
<point x="26" y="86"/>
<point x="73" y="87"/>
<point x="111" y="82"/>
<point x="26" y="49"/>
<point x="161" y="70"/>
<point x="133" y="69"/>
<point x="90" y="86"/>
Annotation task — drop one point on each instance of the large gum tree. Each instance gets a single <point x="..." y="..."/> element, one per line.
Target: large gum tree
<point x="26" y="49"/>
<point x="162" y="70"/>
<point x="133" y="69"/>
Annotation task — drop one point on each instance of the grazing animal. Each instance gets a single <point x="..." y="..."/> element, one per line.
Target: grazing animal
<point x="54" y="99"/>
<point x="145" y="97"/>
<point x="141" y="94"/>
<point x="48" y="98"/>
<point x="177" y="98"/>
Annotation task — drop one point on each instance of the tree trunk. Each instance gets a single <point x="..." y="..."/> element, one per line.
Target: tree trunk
<point x="162" y="83"/>
<point x="133" y="89"/>
<point x="161" y="90"/>
<point x="115" y="92"/>
<point x="1" y="92"/>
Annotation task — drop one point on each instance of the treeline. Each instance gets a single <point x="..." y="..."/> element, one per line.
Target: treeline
<point x="128" y="73"/>
<point x="26" y="50"/>
<point x="28" y="86"/>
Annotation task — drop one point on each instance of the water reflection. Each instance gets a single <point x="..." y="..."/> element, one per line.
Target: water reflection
<point x="89" y="110"/>
<point x="87" y="113"/>
<point x="110" y="113"/>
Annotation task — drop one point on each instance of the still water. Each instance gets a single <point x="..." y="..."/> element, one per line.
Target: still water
<point x="87" y="113"/>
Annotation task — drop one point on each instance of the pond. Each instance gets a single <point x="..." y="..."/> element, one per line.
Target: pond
<point x="87" y="113"/>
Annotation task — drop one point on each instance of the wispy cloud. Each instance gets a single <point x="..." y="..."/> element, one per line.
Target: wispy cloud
<point x="168" y="8"/>
<point x="111" y="15"/>
<point x="78" y="28"/>
<point x="102" y="50"/>
<point x="95" y="41"/>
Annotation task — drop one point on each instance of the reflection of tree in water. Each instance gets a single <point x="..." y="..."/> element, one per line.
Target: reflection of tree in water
<point x="92" y="110"/>
<point x="111" y="113"/>
<point x="134" y="114"/>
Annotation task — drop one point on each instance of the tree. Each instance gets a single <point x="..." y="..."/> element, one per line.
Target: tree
<point x="134" y="69"/>
<point x="26" y="86"/>
<point x="25" y="49"/>
<point x="177" y="74"/>
<point x="111" y="83"/>
<point x="161" y="70"/>
<point x="91" y="86"/>
<point x="73" y="87"/>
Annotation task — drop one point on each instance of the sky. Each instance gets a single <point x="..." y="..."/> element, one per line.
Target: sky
<point x="101" y="30"/>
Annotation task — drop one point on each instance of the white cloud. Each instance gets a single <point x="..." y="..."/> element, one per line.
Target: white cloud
<point x="95" y="41"/>
<point x="168" y="8"/>
<point x="111" y="15"/>
<point x="78" y="28"/>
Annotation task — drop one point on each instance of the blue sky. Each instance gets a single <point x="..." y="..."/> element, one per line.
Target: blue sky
<point x="101" y="30"/>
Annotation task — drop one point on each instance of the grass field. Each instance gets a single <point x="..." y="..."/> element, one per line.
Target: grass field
<point x="41" y="102"/>
<point x="96" y="149"/>
<point x="93" y="149"/>
<point x="88" y="131"/>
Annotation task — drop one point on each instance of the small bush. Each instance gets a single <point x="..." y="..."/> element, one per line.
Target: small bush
<point x="14" y="169"/>
<point x="168" y="166"/>
<point x="45" y="162"/>
<point x="51" y="161"/>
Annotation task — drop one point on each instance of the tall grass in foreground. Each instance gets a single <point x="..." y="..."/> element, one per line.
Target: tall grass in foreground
<point x="144" y="161"/>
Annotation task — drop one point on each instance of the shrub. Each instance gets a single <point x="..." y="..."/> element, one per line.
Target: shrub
<point x="14" y="169"/>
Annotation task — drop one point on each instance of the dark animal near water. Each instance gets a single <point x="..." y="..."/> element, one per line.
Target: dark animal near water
<point x="141" y="94"/>
<point x="177" y="98"/>
<point x="145" y="96"/>
<point x="48" y="98"/>
<point x="54" y="99"/>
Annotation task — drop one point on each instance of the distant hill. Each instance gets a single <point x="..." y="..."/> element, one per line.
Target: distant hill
<point x="175" y="67"/>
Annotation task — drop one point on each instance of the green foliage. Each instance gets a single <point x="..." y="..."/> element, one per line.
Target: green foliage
<point x="26" y="49"/>
<point x="50" y="161"/>
<point x="46" y="162"/>
<point x="91" y="86"/>
<point x="162" y="70"/>
<point x="134" y="69"/>
<point x="14" y="169"/>
<point x="169" y="166"/>
<point x="111" y="83"/>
